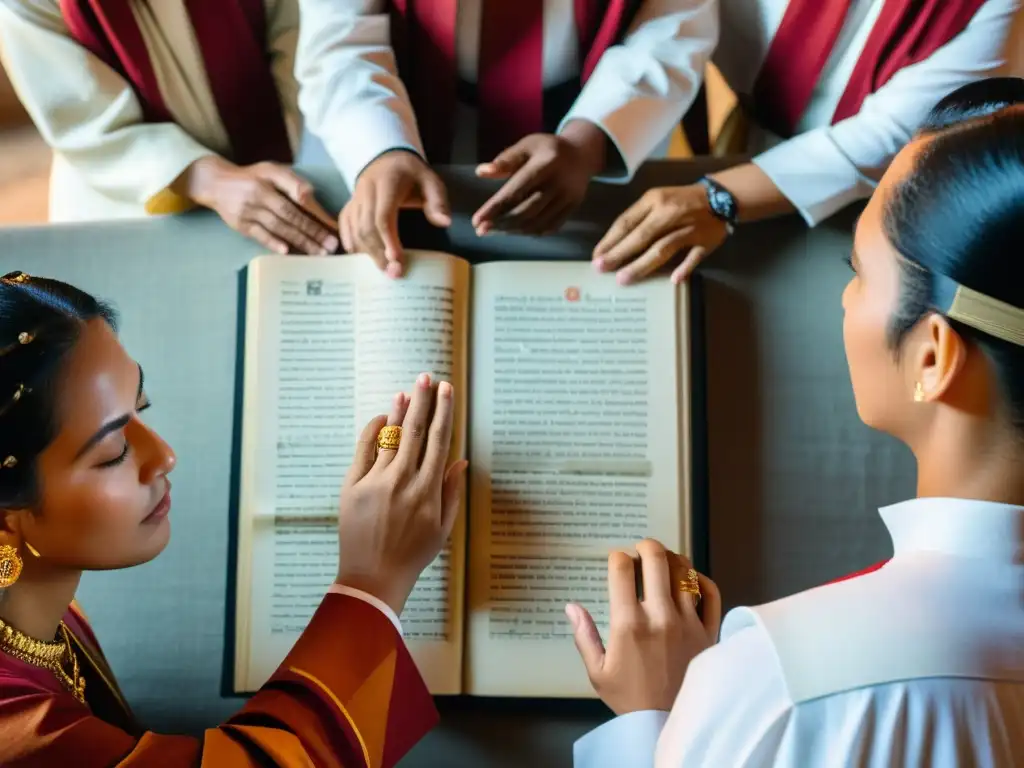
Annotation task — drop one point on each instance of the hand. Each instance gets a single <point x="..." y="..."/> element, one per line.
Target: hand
<point x="369" y="223"/>
<point x="650" y="642"/>
<point x="661" y="224"/>
<point x="266" y="202"/>
<point x="547" y="180"/>
<point x="398" y="507"/>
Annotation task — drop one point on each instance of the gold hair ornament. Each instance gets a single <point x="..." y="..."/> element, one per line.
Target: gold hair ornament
<point x="24" y="339"/>
<point x="17" y="278"/>
<point x="20" y="392"/>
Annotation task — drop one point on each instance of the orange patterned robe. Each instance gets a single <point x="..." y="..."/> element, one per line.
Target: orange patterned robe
<point x="347" y="695"/>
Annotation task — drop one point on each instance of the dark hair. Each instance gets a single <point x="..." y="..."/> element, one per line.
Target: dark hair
<point x="961" y="214"/>
<point x="40" y="320"/>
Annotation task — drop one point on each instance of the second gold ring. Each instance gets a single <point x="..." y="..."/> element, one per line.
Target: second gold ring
<point x="691" y="585"/>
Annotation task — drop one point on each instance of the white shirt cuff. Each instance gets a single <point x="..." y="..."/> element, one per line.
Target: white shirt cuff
<point x="366" y="597"/>
<point x="360" y="133"/>
<point x="626" y="119"/>
<point x="815" y="175"/>
<point x="627" y="740"/>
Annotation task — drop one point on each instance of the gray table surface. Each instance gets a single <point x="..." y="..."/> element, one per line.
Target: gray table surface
<point x="794" y="476"/>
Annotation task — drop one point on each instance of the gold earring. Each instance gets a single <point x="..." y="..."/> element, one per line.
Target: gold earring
<point x="919" y="392"/>
<point x="31" y="550"/>
<point x="10" y="565"/>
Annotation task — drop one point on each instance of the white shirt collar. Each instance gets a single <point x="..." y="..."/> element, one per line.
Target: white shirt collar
<point x="960" y="527"/>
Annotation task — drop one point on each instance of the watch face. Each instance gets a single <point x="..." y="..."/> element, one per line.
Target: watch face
<point x="721" y="202"/>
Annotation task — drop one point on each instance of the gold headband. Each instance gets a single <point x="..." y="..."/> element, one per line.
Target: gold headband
<point x="992" y="316"/>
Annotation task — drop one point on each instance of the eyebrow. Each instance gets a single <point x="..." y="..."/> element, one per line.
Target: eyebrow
<point x="111" y="426"/>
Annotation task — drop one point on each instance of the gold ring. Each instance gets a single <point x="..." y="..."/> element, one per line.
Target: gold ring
<point x="691" y="586"/>
<point x="388" y="438"/>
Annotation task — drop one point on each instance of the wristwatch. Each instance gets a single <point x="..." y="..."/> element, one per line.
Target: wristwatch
<point x="723" y="205"/>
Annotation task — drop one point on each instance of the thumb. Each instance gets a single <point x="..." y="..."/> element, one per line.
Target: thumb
<point x="435" y="200"/>
<point x="588" y="639"/>
<point x="505" y="164"/>
<point x="451" y="495"/>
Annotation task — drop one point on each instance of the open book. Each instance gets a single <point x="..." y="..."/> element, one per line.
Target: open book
<point x="574" y="395"/>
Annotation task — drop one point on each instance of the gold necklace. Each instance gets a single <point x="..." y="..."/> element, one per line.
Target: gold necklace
<point x="52" y="656"/>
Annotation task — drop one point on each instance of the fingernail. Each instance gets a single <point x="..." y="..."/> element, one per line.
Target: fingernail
<point x="444" y="389"/>
<point x="399" y="399"/>
<point x="394" y="269"/>
<point x="622" y="278"/>
<point x="331" y="243"/>
<point x="423" y="381"/>
<point x="573" y="614"/>
<point x="599" y="264"/>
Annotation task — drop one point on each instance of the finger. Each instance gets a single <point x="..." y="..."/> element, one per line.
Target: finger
<point x="710" y="607"/>
<point x="435" y="200"/>
<point x="655" y="257"/>
<point x="588" y="639"/>
<point x="506" y="163"/>
<point x="554" y="217"/>
<point x="622" y="600"/>
<point x="690" y="263"/>
<point x="281" y="227"/>
<point x="366" y="450"/>
<point x="657" y="578"/>
<point x="256" y="231"/>
<point x="622" y="226"/>
<point x="512" y="193"/>
<point x="386" y="223"/>
<point x="632" y="246"/>
<point x="439" y="440"/>
<point x="299" y="194"/>
<point x="367" y="236"/>
<point x="415" y="424"/>
<point x="451" y="495"/>
<point x="523" y="218"/>
<point x="399" y="407"/>
<point x="345" y="229"/>
<point x="312" y="206"/>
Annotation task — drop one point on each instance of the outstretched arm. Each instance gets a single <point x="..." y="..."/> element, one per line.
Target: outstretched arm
<point x="347" y="695"/>
<point x="350" y="92"/>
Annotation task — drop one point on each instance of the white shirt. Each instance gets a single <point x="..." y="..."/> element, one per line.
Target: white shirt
<point x="826" y="167"/>
<point x="107" y="162"/>
<point x="354" y="102"/>
<point x="919" y="663"/>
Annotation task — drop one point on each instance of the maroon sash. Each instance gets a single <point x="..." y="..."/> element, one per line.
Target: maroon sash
<point x="906" y="32"/>
<point x="510" y="93"/>
<point x="232" y="36"/>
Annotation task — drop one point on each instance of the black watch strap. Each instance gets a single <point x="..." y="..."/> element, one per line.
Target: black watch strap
<point x="723" y="205"/>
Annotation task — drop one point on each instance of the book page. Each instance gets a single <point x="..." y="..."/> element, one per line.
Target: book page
<point x="329" y="342"/>
<point x="576" y="450"/>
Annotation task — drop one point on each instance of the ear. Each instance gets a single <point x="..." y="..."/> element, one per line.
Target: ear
<point x="10" y="526"/>
<point x="938" y="357"/>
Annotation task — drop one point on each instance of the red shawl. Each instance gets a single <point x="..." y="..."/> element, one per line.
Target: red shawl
<point x="233" y="38"/>
<point x="423" y="34"/>
<point x="906" y="32"/>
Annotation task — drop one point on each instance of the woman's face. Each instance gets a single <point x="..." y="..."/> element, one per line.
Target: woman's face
<point x="881" y="388"/>
<point x="104" y="495"/>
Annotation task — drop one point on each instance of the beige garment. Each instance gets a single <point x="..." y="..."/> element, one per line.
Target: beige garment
<point x="108" y="163"/>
